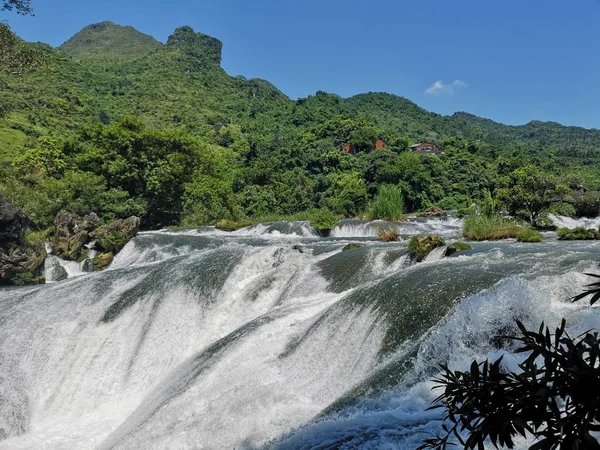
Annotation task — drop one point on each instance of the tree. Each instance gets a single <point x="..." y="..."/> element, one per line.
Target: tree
<point x="22" y="7"/>
<point x="531" y="190"/>
<point x="555" y="397"/>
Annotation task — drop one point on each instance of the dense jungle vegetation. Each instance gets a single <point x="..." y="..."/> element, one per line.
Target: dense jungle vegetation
<point x="118" y="123"/>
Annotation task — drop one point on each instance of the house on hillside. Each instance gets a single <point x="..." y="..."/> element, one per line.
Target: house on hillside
<point x="377" y="145"/>
<point x="427" y="148"/>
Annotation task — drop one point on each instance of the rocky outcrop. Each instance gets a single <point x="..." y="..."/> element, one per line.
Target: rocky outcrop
<point x="22" y="252"/>
<point x="72" y="233"/>
<point x="435" y="212"/>
<point x="420" y="246"/>
<point x="74" y="236"/>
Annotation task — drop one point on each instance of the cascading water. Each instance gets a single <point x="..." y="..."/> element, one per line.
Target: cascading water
<point x="268" y="337"/>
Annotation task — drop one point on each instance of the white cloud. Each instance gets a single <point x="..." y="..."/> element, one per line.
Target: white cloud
<point x="439" y="87"/>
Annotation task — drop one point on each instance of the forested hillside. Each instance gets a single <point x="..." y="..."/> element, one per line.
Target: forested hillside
<point x="116" y="122"/>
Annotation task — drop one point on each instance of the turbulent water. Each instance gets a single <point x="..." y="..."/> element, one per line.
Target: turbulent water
<point x="268" y="337"/>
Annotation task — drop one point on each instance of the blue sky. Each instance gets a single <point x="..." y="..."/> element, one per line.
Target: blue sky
<point x="510" y="61"/>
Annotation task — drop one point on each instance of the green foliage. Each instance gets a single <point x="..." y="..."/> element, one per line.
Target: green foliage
<point x="205" y="146"/>
<point x="347" y="195"/>
<point x="529" y="235"/>
<point x="529" y="189"/>
<point x="22" y="7"/>
<point x="112" y="241"/>
<point x="482" y="228"/>
<point x="387" y="204"/>
<point x="562" y="209"/>
<point x="25" y="278"/>
<point x="322" y="219"/>
<point x="577" y="234"/>
<point x="421" y="246"/>
<point x="553" y="397"/>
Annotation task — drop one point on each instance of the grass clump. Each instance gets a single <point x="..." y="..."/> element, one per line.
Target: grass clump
<point x="489" y="228"/>
<point x="388" y="204"/>
<point x="390" y="234"/>
<point x="529" y="235"/>
<point x="232" y="225"/>
<point x="111" y="241"/>
<point x="421" y="246"/>
<point x="577" y="234"/>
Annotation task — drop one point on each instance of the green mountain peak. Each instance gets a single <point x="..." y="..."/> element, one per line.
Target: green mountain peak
<point x="195" y="44"/>
<point x="107" y="41"/>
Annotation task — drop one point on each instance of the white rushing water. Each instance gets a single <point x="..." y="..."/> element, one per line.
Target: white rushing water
<point x="245" y="340"/>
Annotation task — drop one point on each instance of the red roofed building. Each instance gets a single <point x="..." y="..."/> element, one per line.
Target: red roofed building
<point x="427" y="148"/>
<point x="377" y="145"/>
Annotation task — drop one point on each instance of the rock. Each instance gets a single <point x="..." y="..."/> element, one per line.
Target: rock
<point x="102" y="260"/>
<point x="58" y="272"/>
<point x="421" y="246"/>
<point x="71" y="234"/>
<point x="457" y="247"/>
<point x="351" y="246"/>
<point x="21" y="259"/>
<point x="435" y="212"/>
<point x="88" y="265"/>
<point x="298" y="247"/>
<point x="112" y="238"/>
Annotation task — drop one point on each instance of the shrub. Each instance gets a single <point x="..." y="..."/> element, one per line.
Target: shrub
<point x="577" y="234"/>
<point x="482" y="228"/>
<point x="388" y="234"/>
<point x="388" y="204"/>
<point x="529" y="235"/>
<point x="112" y="241"/>
<point x="22" y="279"/>
<point x="322" y="219"/>
<point x="563" y="209"/>
<point x="421" y="246"/>
<point x="553" y="396"/>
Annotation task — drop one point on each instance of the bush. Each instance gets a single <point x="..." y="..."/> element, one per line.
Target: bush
<point x="493" y="228"/>
<point x="421" y="246"/>
<point x="563" y="209"/>
<point x="390" y="234"/>
<point x="112" y="241"/>
<point x="25" y="278"/>
<point x="322" y="219"/>
<point x="553" y="396"/>
<point x="388" y="204"/>
<point x="577" y="234"/>
<point x="529" y="235"/>
<point x="588" y="205"/>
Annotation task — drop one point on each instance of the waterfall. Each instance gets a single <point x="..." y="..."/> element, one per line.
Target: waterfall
<point x="267" y="337"/>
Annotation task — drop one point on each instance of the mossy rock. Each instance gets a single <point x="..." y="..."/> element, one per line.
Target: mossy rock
<point x="102" y="260"/>
<point x="457" y="247"/>
<point x="350" y="246"/>
<point x="420" y="246"/>
<point x="231" y="225"/>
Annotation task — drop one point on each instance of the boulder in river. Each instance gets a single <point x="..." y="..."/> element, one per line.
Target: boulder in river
<point x="420" y="246"/>
<point x="435" y="212"/>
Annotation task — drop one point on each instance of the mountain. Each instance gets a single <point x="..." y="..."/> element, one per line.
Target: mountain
<point x="107" y="41"/>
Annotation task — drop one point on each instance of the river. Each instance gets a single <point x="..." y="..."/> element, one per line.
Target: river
<point x="270" y="337"/>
